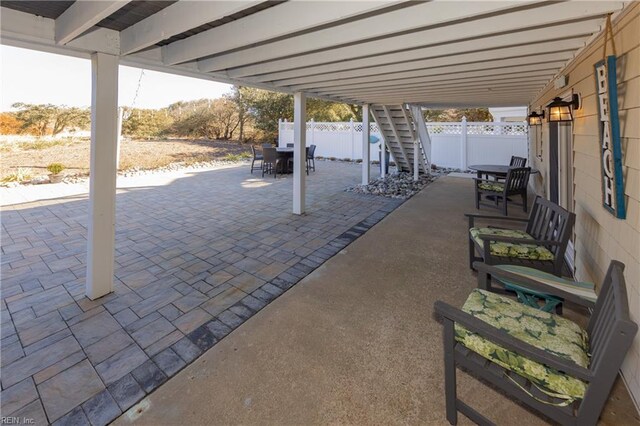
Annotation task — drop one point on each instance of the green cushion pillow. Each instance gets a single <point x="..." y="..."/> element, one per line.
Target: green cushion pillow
<point x="522" y="251"/>
<point x="549" y="332"/>
<point x="491" y="186"/>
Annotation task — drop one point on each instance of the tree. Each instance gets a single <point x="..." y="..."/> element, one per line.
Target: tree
<point x="35" y="118"/>
<point x="70" y="118"/>
<point x="44" y="118"/>
<point x="9" y="124"/>
<point x="453" y="114"/>
<point x="266" y="108"/>
<point x="145" y="123"/>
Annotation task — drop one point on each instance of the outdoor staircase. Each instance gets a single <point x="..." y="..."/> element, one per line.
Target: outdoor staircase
<point x="401" y="126"/>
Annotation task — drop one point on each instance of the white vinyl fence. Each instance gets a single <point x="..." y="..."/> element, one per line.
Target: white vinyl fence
<point x="455" y="145"/>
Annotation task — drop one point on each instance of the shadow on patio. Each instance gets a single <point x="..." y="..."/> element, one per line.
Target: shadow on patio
<point x="356" y="341"/>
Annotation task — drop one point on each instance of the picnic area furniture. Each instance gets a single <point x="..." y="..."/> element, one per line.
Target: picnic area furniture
<point x="494" y="170"/>
<point x="544" y="360"/>
<point x="286" y="157"/>
<point x="311" y="161"/>
<point x="516" y="183"/>
<point x="256" y="157"/>
<point x="514" y="162"/>
<point x="515" y="278"/>
<point x="541" y="245"/>
<point x="271" y="161"/>
<point x="517" y="161"/>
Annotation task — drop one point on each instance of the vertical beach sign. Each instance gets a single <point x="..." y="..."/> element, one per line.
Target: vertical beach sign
<point x="609" y="131"/>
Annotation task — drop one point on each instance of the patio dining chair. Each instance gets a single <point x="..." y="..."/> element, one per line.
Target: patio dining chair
<point x="544" y="360"/>
<point x="311" y="161"/>
<point x="515" y="184"/>
<point x="256" y="157"/>
<point x="515" y="162"/>
<point x="271" y="161"/>
<point x="541" y="245"/>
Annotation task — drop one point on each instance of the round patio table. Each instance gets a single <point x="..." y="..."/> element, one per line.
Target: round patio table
<point x="494" y="169"/>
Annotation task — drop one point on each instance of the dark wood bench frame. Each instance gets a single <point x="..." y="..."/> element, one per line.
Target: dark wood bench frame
<point x="549" y="224"/>
<point x="611" y="333"/>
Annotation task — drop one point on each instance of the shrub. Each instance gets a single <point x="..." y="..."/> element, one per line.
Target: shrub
<point x="232" y="158"/>
<point x="56" y="168"/>
<point x="20" y="175"/>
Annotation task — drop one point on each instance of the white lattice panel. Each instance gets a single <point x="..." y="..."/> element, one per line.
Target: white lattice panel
<point x="487" y="142"/>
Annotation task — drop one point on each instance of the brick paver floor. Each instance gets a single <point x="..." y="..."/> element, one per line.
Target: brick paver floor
<point x="194" y="260"/>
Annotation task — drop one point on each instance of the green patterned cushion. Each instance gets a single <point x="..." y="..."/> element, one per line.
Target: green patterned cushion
<point x="522" y="251"/>
<point x="551" y="333"/>
<point x="491" y="186"/>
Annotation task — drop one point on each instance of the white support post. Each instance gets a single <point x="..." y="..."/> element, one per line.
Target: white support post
<point x="103" y="171"/>
<point x="366" y="163"/>
<point x="383" y="158"/>
<point x="353" y="139"/>
<point x="279" y="131"/>
<point x="463" y="145"/>
<point x="416" y="159"/>
<point x="120" y="118"/>
<point x="299" y="151"/>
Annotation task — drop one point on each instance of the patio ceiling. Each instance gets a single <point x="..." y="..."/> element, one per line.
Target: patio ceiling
<point x="434" y="53"/>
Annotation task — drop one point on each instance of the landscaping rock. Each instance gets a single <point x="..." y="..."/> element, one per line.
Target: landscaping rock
<point x="399" y="185"/>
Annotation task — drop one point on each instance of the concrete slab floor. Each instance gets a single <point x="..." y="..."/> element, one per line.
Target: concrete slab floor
<point x="354" y="342"/>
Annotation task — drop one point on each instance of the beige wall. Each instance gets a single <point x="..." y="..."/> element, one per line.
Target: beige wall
<point x="599" y="236"/>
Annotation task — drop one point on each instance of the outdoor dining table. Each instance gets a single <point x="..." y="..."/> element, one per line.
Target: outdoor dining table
<point x="494" y="169"/>
<point x="285" y="154"/>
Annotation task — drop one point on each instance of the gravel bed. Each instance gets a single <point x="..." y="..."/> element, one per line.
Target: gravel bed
<point x="399" y="185"/>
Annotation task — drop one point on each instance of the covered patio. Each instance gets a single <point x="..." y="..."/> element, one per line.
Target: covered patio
<point x="120" y="286"/>
<point x="356" y="341"/>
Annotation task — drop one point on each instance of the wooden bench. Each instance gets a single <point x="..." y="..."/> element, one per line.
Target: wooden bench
<point x="541" y="245"/>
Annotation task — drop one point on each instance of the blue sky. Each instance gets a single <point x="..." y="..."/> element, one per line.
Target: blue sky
<point x="37" y="77"/>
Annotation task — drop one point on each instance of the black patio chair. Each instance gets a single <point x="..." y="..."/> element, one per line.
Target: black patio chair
<point x="517" y="161"/>
<point x="515" y="184"/>
<point x="541" y="245"/>
<point x="271" y="161"/>
<point x="561" y="370"/>
<point x="311" y="161"/>
<point x="256" y="157"/>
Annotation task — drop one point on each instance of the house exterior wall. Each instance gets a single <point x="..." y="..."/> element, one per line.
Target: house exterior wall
<point x="599" y="236"/>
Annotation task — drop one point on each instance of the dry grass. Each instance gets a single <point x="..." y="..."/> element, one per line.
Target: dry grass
<point x="141" y="154"/>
